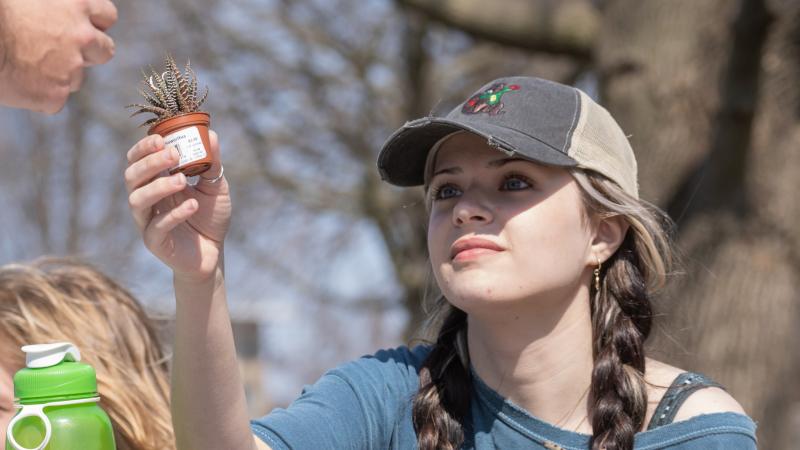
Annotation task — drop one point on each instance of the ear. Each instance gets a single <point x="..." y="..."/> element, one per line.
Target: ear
<point x="608" y="236"/>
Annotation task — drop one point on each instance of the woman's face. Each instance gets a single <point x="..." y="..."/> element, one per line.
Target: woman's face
<point x="503" y="229"/>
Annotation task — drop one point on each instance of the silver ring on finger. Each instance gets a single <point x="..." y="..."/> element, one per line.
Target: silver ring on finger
<point x="214" y="180"/>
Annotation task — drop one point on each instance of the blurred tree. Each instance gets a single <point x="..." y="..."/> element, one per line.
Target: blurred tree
<point x="49" y="169"/>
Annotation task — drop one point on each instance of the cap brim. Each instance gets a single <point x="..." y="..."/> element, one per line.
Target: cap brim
<point x="402" y="158"/>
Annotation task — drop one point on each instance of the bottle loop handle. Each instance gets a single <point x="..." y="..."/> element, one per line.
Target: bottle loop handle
<point x="38" y="411"/>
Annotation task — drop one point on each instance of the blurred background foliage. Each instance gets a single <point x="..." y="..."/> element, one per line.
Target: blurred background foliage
<point x="325" y="262"/>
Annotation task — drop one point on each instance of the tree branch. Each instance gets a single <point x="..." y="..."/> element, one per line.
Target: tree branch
<point x="562" y="27"/>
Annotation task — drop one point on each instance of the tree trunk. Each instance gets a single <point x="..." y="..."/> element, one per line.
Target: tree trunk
<point x="689" y="90"/>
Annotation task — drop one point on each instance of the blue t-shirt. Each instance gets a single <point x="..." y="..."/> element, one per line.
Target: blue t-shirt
<point x="366" y="404"/>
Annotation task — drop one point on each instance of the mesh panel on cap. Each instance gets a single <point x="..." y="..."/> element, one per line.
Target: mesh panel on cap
<point x="599" y="144"/>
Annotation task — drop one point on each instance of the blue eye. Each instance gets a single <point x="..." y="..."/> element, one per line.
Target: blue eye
<point x="515" y="183"/>
<point x="444" y="192"/>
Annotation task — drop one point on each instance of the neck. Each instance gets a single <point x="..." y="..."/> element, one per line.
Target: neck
<point x="539" y="357"/>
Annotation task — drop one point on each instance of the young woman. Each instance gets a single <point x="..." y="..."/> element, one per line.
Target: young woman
<point x="546" y="259"/>
<point x="58" y="299"/>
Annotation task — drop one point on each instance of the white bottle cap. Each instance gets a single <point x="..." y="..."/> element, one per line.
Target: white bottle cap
<point x="46" y="355"/>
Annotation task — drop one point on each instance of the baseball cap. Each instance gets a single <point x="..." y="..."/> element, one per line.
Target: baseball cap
<point x="532" y="118"/>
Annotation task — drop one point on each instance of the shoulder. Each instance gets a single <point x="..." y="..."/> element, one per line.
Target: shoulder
<point x="401" y="358"/>
<point x="706" y="400"/>
<point x="395" y="366"/>
<point x="358" y="404"/>
<point x="403" y="355"/>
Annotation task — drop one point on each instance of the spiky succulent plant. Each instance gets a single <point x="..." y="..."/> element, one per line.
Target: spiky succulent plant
<point x="169" y="93"/>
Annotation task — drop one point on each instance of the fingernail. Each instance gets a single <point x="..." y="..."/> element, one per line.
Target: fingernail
<point x="179" y="179"/>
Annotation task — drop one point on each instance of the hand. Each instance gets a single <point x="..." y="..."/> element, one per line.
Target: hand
<point x="44" y="46"/>
<point x="184" y="226"/>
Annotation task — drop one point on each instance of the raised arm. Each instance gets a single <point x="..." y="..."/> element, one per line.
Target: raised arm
<point x="185" y="226"/>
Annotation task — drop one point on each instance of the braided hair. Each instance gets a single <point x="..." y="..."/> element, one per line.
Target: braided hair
<point x="621" y="316"/>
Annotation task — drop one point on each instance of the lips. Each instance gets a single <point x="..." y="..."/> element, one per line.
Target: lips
<point x="469" y="247"/>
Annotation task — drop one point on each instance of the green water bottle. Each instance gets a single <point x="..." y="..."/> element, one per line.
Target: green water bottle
<point x="56" y="395"/>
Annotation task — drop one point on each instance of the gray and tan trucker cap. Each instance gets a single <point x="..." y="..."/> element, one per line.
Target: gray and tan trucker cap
<point x="532" y="118"/>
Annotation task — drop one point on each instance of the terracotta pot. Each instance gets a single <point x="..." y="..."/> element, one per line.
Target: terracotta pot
<point x="189" y="134"/>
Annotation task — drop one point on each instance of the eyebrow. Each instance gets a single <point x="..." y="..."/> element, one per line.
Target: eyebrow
<point x="492" y="164"/>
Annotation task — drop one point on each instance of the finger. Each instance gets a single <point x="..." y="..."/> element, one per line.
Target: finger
<point x="99" y="49"/>
<point x="155" y="234"/>
<point x="52" y="100"/>
<point x="213" y="187"/>
<point x="146" y="169"/>
<point x="141" y="200"/>
<point x="75" y="79"/>
<point x="216" y="164"/>
<point x="146" y="145"/>
<point x="102" y="14"/>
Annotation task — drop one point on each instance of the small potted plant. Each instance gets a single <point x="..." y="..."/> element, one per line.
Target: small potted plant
<point x="172" y="97"/>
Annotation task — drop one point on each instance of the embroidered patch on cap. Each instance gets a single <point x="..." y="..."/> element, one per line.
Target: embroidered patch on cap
<point x="488" y="101"/>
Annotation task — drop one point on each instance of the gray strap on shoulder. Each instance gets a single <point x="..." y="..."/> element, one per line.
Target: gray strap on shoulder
<point x="683" y="386"/>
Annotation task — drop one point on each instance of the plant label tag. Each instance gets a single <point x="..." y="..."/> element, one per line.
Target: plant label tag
<point x="189" y="145"/>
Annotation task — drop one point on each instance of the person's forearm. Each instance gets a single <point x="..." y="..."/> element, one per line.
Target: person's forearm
<point x="208" y="402"/>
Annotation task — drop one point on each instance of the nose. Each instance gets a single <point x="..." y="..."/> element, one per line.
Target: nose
<point x="471" y="209"/>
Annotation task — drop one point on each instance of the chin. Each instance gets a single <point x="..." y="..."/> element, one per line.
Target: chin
<point x="477" y="290"/>
<point x="482" y="306"/>
<point x="474" y="276"/>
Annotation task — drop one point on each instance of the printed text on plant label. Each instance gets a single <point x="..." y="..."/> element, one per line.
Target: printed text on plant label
<point x="189" y="145"/>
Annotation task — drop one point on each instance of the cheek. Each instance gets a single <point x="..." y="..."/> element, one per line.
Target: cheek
<point x="7" y="412"/>
<point x="550" y="241"/>
<point x="438" y="231"/>
<point x="5" y="418"/>
<point x="549" y="246"/>
<point x="439" y="241"/>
